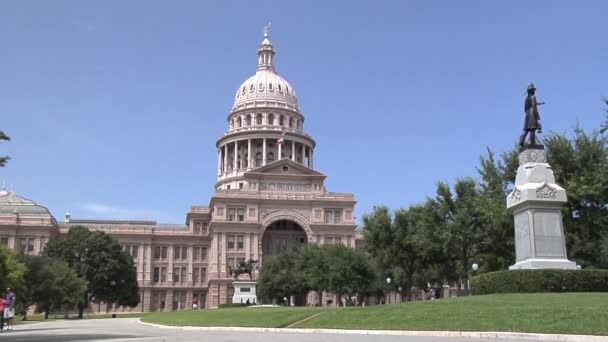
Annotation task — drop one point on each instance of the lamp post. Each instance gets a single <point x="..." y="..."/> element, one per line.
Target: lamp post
<point x="475" y="267"/>
<point x="388" y="292"/>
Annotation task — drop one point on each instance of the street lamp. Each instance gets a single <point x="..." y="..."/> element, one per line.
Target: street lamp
<point x="388" y="284"/>
<point x="475" y="267"/>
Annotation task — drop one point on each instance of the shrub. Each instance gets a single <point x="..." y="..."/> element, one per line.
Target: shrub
<point x="233" y="305"/>
<point x="526" y="281"/>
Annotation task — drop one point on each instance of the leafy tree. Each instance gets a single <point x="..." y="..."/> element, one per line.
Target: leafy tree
<point x="350" y="272"/>
<point x="463" y="228"/>
<point x="580" y="165"/>
<point x="497" y="250"/>
<point x="12" y="274"/>
<point x="279" y="278"/>
<point x="98" y="258"/>
<point x="312" y="263"/>
<point x="4" y="159"/>
<point x="53" y="285"/>
<point x="12" y="270"/>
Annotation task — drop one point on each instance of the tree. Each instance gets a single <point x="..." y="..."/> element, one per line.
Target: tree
<point x="98" y="258"/>
<point x="53" y="285"/>
<point x="350" y="272"/>
<point x="580" y="165"/>
<point x="497" y="250"/>
<point x="397" y="243"/>
<point x="12" y="270"/>
<point x="464" y="229"/>
<point x="4" y="159"/>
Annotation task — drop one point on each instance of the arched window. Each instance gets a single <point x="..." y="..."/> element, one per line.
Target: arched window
<point x="290" y="122"/>
<point x="270" y="158"/>
<point x="239" y="122"/>
<point x="270" y="87"/>
<point x="246" y="160"/>
<point x="280" y="88"/>
<point x="258" y="159"/>
<point x="232" y="124"/>
<point x="230" y="164"/>
<point x="281" y="120"/>
<point x="258" y="119"/>
<point x="249" y="120"/>
<point x="270" y="119"/>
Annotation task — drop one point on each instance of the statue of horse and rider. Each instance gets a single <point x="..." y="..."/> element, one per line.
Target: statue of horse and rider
<point x="244" y="267"/>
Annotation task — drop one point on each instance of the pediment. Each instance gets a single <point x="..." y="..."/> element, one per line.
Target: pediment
<point x="284" y="167"/>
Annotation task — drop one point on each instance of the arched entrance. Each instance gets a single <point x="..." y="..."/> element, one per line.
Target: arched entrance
<point x="282" y="236"/>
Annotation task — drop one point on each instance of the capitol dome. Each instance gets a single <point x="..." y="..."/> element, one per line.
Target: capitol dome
<point x="266" y="87"/>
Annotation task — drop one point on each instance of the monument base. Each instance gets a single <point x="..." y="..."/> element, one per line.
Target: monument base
<point x="244" y="292"/>
<point x="538" y="263"/>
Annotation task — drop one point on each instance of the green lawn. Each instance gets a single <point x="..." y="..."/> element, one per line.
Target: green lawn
<point x="234" y="317"/>
<point x="568" y="313"/>
<point x="40" y="317"/>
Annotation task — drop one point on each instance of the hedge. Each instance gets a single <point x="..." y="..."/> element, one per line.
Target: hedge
<point x="526" y="281"/>
<point x="232" y="305"/>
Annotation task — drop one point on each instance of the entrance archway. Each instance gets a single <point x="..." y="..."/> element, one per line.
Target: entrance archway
<point x="282" y="236"/>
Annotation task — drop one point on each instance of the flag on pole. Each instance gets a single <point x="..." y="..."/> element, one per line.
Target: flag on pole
<point x="282" y="140"/>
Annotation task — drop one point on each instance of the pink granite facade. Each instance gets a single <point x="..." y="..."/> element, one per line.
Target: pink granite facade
<point x="268" y="199"/>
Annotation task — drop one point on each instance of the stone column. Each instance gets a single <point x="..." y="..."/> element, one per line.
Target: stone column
<point x="312" y="165"/>
<point x="293" y="150"/>
<point x="279" y="157"/>
<point x="303" y="154"/>
<point x="249" y="156"/>
<point x="169" y="300"/>
<point x="219" y="161"/>
<point x="170" y="264"/>
<point x="536" y="201"/>
<point x="236" y="156"/>
<point x="225" y="158"/>
<point x="263" y="151"/>
<point x="141" y="266"/>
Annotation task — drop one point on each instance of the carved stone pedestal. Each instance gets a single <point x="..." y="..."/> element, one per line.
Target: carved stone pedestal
<point x="536" y="202"/>
<point x="244" y="291"/>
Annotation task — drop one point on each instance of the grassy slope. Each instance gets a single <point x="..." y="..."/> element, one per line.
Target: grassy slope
<point x="570" y="313"/>
<point x="241" y="317"/>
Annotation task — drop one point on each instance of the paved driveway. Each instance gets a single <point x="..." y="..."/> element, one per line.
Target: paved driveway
<point x="128" y="329"/>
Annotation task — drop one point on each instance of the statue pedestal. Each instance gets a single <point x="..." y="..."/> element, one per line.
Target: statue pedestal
<point x="536" y="201"/>
<point x="244" y="291"/>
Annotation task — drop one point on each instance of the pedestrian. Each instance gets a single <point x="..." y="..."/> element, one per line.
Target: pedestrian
<point x="2" y="306"/>
<point x="9" y="310"/>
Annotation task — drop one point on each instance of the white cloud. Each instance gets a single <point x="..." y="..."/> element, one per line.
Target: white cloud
<point x="100" y="210"/>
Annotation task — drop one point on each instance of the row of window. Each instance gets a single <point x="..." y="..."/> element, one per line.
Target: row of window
<point x="333" y="216"/>
<point x="180" y="253"/>
<point x="200" y="227"/>
<point x="238" y="246"/>
<point x="250" y="120"/>
<point x="180" y="275"/>
<point x="261" y="88"/>
<point x="289" y="187"/>
<point x="158" y="301"/>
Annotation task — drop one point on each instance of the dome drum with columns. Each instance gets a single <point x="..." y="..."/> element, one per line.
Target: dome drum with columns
<point x="265" y="125"/>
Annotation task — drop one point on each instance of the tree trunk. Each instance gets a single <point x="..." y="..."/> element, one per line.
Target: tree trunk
<point x="46" y="314"/>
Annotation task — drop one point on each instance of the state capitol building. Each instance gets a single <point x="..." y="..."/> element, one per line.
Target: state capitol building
<point x="268" y="199"/>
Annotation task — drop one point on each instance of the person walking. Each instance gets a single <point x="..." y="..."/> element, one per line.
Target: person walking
<point x="9" y="310"/>
<point x="2" y="306"/>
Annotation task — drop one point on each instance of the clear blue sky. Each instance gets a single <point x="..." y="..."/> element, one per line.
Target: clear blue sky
<point x="114" y="107"/>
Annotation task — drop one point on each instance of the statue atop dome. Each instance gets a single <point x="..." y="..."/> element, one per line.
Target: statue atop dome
<point x="267" y="29"/>
<point x="532" y="119"/>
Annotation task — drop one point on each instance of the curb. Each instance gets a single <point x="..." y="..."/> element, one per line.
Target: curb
<point x="460" y="334"/>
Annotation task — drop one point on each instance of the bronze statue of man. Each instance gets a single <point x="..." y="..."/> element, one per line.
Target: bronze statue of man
<point x="532" y="122"/>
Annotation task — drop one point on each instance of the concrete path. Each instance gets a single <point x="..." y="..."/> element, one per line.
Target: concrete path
<point x="129" y="330"/>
